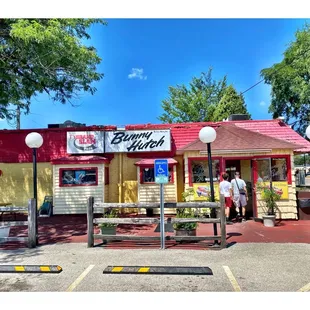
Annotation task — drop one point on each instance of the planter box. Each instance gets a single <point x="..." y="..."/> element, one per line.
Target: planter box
<point x="4" y="232"/>
<point x="108" y="230"/>
<point x="269" y="220"/>
<point x="184" y="232"/>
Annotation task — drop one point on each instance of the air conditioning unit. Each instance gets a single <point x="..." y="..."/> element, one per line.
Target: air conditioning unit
<point x="238" y="117"/>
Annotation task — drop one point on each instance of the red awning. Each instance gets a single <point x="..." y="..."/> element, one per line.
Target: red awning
<point x="80" y="160"/>
<point x="150" y="161"/>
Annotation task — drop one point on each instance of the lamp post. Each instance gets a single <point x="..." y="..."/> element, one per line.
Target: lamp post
<point x="208" y="135"/>
<point x="34" y="140"/>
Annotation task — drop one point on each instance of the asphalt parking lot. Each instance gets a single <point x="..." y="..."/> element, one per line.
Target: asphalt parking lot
<point x="255" y="267"/>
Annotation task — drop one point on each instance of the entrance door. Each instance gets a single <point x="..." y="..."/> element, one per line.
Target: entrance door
<point x="231" y="167"/>
<point x="261" y="171"/>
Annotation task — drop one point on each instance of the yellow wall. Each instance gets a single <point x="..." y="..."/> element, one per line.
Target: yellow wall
<point x="16" y="183"/>
<point x="245" y="167"/>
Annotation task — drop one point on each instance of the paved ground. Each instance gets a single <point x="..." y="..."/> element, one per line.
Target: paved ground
<point x="246" y="267"/>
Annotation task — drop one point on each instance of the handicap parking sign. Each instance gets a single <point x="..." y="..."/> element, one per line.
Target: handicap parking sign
<point x="161" y="171"/>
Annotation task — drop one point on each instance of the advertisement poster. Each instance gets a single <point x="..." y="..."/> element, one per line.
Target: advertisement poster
<point x="202" y="191"/>
<point x="280" y="187"/>
<point x="89" y="142"/>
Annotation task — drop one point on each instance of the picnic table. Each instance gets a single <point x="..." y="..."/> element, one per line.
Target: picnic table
<point x="7" y="207"/>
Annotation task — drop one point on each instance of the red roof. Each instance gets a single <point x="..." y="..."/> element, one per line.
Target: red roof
<point x="150" y="162"/>
<point x="13" y="147"/>
<point x="232" y="137"/>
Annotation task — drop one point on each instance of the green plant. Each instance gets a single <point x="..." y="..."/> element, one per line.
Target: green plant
<point x="185" y="213"/>
<point x="270" y="197"/>
<point x="110" y="213"/>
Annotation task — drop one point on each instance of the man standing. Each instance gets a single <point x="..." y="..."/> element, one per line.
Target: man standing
<point x="240" y="195"/>
<point x="226" y="190"/>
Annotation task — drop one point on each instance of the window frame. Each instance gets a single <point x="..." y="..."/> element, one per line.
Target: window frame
<point x="74" y="169"/>
<point x="170" y="166"/>
<point x="203" y="158"/>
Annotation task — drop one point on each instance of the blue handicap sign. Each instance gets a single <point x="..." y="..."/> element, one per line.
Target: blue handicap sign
<point x="161" y="171"/>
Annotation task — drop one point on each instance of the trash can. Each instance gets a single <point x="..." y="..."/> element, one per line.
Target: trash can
<point x="304" y="209"/>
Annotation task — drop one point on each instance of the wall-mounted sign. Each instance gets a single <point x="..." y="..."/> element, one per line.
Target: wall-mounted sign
<point x="137" y="141"/>
<point x="202" y="191"/>
<point x="88" y="142"/>
<point x="280" y="187"/>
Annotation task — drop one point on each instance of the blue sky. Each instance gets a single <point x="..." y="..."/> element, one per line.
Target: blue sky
<point x="170" y="52"/>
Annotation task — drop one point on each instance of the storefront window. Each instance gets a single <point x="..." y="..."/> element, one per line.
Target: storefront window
<point x="278" y="169"/>
<point x="149" y="177"/>
<point x="200" y="171"/>
<point x="78" y="177"/>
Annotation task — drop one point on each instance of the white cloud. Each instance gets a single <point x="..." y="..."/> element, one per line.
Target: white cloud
<point x="137" y="73"/>
<point x="262" y="103"/>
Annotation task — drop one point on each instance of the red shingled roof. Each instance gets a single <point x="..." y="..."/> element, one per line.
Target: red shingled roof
<point x="185" y="133"/>
<point x="80" y="160"/>
<point x="232" y="137"/>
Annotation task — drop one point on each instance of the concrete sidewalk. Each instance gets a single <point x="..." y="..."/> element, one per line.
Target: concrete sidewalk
<point x="253" y="267"/>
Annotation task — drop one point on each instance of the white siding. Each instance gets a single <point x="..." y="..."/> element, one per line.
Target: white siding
<point x="73" y="200"/>
<point x="151" y="192"/>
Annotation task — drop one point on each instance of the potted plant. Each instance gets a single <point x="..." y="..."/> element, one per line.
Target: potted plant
<point x="188" y="228"/>
<point x="270" y="196"/>
<point x="109" y="228"/>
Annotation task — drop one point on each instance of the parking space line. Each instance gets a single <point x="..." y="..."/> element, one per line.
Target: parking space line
<point x="232" y="279"/>
<point x="80" y="278"/>
<point x="305" y="288"/>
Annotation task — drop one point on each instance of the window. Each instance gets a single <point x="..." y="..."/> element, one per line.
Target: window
<point x="78" y="177"/>
<point x="200" y="171"/>
<point x="147" y="175"/>
<point x="278" y="169"/>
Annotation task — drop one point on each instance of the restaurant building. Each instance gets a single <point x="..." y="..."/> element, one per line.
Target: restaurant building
<point x="117" y="164"/>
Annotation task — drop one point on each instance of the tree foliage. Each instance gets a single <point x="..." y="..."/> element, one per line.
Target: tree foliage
<point x="290" y="82"/>
<point x="45" y="56"/>
<point x="230" y="103"/>
<point x="200" y="101"/>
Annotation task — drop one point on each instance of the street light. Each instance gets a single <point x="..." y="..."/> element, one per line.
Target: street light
<point x="34" y="140"/>
<point x="308" y="132"/>
<point x="208" y="135"/>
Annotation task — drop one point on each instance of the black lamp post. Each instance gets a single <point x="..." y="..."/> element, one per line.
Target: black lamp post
<point x="34" y="140"/>
<point x="208" y="135"/>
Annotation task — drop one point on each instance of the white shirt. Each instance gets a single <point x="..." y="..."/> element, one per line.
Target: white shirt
<point x="225" y="187"/>
<point x="241" y="185"/>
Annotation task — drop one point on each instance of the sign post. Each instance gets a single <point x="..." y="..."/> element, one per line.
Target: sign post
<point x="161" y="177"/>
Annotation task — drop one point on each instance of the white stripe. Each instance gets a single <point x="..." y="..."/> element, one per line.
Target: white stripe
<point x="80" y="278"/>
<point x="232" y="279"/>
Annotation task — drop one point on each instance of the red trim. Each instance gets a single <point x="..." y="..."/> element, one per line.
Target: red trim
<point x="80" y="162"/>
<point x="76" y="185"/>
<point x="190" y="159"/>
<point x="152" y="166"/>
<point x="106" y="176"/>
<point x="287" y="157"/>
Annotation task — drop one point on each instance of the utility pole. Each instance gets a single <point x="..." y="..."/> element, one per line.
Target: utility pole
<point x="18" y="117"/>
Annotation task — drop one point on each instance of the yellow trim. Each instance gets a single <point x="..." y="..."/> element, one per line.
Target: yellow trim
<point x="19" y="268"/>
<point x="305" y="288"/>
<point x="117" y="269"/>
<point x="232" y="279"/>
<point x="144" y="269"/>
<point x="59" y="268"/>
<point x="45" y="268"/>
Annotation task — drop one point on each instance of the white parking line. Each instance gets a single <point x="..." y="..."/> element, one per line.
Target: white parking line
<point x="232" y="279"/>
<point x="305" y="288"/>
<point x="80" y="278"/>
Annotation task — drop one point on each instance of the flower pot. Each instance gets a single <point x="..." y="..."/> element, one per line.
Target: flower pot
<point x="269" y="220"/>
<point x="185" y="232"/>
<point x="108" y="230"/>
<point x="4" y="232"/>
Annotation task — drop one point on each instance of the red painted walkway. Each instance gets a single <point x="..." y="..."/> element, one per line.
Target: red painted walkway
<point x="72" y="228"/>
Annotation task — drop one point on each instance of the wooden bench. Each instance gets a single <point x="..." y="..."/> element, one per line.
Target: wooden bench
<point x="5" y="208"/>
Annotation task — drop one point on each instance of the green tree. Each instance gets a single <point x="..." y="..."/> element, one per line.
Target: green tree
<point x="195" y="103"/>
<point x="290" y="82"/>
<point x="230" y="103"/>
<point x="45" y="56"/>
<point x="202" y="101"/>
<point x="300" y="160"/>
